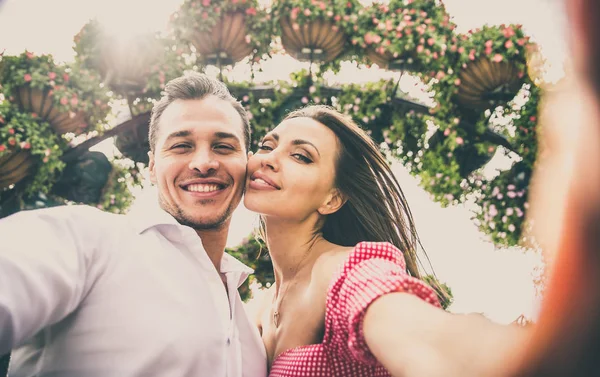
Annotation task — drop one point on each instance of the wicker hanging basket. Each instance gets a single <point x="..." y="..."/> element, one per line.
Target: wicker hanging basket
<point x="226" y="43"/>
<point x="486" y="84"/>
<point x="315" y="41"/>
<point x="41" y="103"/>
<point x="15" y="166"/>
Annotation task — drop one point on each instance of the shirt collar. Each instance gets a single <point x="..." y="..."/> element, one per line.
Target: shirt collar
<point x="153" y="216"/>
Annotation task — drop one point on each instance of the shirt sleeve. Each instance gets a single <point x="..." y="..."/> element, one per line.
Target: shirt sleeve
<point x="372" y="270"/>
<point x="44" y="257"/>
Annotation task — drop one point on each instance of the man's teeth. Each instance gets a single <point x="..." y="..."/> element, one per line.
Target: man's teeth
<point x="203" y="188"/>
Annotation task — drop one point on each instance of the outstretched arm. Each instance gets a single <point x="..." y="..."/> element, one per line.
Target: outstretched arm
<point x="44" y="260"/>
<point x="413" y="338"/>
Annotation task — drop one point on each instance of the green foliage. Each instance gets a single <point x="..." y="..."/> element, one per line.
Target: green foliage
<point x="255" y="255"/>
<point x="116" y="195"/>
<point x="21" y="131"/>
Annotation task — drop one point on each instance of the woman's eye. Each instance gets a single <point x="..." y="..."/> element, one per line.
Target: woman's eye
<point x="302" y="158"/>
<point x="264" y="147"/>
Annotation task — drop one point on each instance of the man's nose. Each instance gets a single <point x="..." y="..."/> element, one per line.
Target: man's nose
<point x="204" y="162"/>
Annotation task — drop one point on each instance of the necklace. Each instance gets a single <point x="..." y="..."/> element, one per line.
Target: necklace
<point x="276" y="312"/>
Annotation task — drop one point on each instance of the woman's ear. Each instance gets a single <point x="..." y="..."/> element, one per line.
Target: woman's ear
<point x="335" y="201"/>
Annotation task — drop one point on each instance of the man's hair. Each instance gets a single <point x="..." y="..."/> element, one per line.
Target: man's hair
<point x="193" y="86"/>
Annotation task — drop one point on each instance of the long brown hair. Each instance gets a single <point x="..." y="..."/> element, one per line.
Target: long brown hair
<point x="375" y="209"/>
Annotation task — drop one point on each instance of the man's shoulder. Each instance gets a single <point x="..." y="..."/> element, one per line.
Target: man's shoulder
<point x="76" y="214"/>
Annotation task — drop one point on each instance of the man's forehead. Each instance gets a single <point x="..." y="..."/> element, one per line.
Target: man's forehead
<point x="200" y="117"/>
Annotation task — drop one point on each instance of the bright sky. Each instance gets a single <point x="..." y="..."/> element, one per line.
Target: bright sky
<point x="495" y="282"/>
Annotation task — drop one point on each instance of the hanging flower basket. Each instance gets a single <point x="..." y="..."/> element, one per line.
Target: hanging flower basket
<point x="41" y="103"/>
<point x="223" y="32"/>
<point x="318" y="40"/>
<point x="71" y="99"/>
<point x="487" y="84"/>
<point x="29" y="148"/>
<point x="226" y="43"/>
<point x="15" y="166"/>
<point x="133" y="143"/>
<point x="403" y="35"/>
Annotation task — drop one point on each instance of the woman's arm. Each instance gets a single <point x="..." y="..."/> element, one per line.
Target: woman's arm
<point x="412" y="338"/>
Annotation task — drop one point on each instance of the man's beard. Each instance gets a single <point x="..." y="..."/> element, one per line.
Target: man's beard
<point x="179" y="215"/>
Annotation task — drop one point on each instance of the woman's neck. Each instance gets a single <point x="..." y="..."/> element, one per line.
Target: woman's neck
<point x="293" y="246"/>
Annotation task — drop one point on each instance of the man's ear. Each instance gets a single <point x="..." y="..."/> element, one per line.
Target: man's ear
<point x="151" y="167"/>
<point x="335" y="201"/>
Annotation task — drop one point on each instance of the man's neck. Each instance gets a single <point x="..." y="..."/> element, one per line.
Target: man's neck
<point x="214" y="241"/>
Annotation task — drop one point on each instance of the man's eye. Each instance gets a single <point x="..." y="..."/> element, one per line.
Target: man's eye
<point x="180" y="146"/>
<point x="224" y="146"/>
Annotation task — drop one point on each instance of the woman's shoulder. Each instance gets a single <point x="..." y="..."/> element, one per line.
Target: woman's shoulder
<point x="339" y="258"/>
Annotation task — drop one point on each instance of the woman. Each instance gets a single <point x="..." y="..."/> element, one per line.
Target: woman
<point x="342" y="306"/>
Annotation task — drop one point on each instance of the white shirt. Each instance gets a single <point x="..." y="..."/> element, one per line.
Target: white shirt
<point x="88" y="293"/>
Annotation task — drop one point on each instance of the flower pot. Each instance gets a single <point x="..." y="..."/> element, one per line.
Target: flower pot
<point x="41" y="103"/>
<point x="133" y="143"/>
<point x="226" y="43"/>
<point x="313" y="41"/>
<point x="486" y="84"/>
<point x="15" y="166"/>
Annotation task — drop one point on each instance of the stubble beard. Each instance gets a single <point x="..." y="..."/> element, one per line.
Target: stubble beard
<point x="184" y="219"/>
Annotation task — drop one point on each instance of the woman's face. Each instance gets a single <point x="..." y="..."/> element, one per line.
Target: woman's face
<point x="293" y="172"/>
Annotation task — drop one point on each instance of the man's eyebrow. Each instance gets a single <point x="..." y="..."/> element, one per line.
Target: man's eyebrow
<point x="301" y="142"/>
<point x="226" y="135"/>
<point x="176" y="134"/>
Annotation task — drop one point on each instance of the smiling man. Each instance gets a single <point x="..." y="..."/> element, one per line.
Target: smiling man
<point x="152" y="293"/>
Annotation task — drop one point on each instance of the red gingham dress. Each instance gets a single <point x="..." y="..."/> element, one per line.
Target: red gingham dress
<point x="372" y="269"/>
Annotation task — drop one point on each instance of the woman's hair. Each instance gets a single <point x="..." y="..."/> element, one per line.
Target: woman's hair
<point x="375" y="208"/>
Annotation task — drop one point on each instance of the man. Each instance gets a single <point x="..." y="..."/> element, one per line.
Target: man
<point x="87" y="293"/>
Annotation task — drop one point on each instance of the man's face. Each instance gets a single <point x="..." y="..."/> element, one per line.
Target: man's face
<point x="199" y="163"/>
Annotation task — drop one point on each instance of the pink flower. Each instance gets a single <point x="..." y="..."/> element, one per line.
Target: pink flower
<point x="446" y="132"/>
<point x="64" y="101"/>
<point x="47" y="152"/>
<point x="52" y="75"/>
<point x="29" y="55"/>
<point x="27" y="77"/>
<point x="295" y="26"/>
<point x="508" y="32"/>
<point x="457" y="82"/>
<point x="511" y="228"/>
<point x="461" y="50"/>
<point x="304" y="100"/>
<point x="420" y="48"/>
<point x="509" y="44"/>
<point x="1" y="120"/>
<point x="459" y="140"/>
<point x="488" y="50"/>
<point x="12" y="141"/>
<point x="307" y="12"/>
<point x="532" y="118"/>
<point x="498" y="58"/>
<point x="489" y="43"/>
<point x="205" y="3"/>
<point x="472" y="55"/>
<point x="11" y="131"/>
<point x="74" y="101"/>
<point x="430" y="41"/>
<point x="322" y="6"/>
<point x="65" y="77"/>
<point x="45" y="159"/>
<point x="251" y="11"/>
<point x="2" y="147"/>
<point x="25" y="145"/>
<point x="337" y="17"/>
<point x="511" y="194"/>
